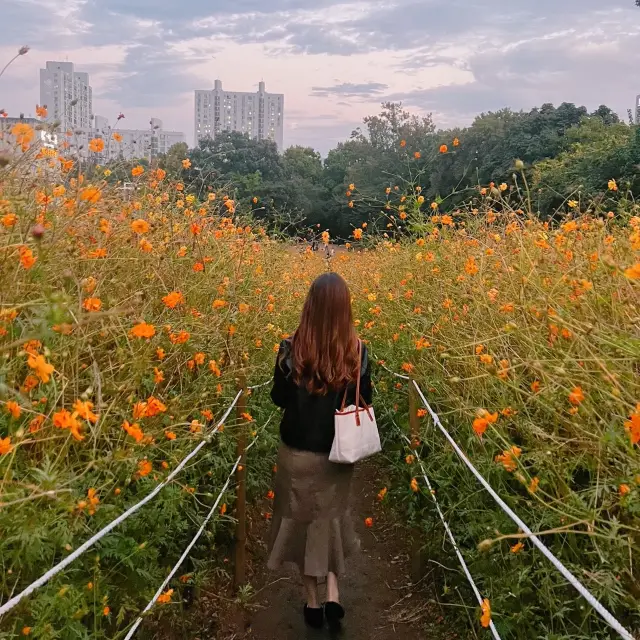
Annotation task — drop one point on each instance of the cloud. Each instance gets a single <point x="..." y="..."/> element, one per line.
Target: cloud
<point x="558" y="67"/>
<point x="350" y="90"/>
<point x="456" y="58"/>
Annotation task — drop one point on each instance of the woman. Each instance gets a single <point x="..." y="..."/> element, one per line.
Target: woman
<point x="312" y="524"/>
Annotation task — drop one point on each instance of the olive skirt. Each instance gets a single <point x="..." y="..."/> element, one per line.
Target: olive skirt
<point x="312" y="525"/>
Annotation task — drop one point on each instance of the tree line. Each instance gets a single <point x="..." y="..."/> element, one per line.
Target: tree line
<point x="568" y="152"/>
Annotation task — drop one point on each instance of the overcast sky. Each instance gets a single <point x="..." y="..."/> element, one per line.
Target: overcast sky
<point x="335" y="61"/>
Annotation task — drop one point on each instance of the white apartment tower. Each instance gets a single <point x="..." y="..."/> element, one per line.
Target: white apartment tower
<point x="260" y="114"/>
<point x="67" y="95"/>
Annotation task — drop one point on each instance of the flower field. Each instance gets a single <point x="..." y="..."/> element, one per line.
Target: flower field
<point x="128" y="315"/>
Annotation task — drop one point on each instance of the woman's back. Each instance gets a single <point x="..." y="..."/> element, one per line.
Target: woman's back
<point x="308" y="420"/>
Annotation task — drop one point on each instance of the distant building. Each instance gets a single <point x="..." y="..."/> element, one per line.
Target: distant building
<point x="67" y="95"/>
<point x="637" y="109"/>
<point x="260" y="115"/>
<point x="129" y="144"/>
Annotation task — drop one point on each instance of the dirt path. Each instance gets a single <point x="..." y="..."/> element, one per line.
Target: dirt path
<point x="377" y="592"/>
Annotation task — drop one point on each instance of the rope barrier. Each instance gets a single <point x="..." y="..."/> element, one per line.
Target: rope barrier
<point x="584" y="592"/>
<point x="7" y="606"/>
<point x="463" y="564"/>
<point x="257" y="386"/>
<point x="190" y="546"/>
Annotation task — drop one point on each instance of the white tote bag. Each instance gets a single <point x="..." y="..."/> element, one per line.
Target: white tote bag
<point x="357" y="434"/>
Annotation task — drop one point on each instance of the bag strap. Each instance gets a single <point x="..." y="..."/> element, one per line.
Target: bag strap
<point x="344" y="397"/>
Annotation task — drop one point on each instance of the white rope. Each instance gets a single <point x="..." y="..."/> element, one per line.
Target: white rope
<point x="584" y="592"/>
<point x="7" y="606"/>
<point x="190" y="546"/>
<point x="463" y="564"/>
<point x="397" y="375"/>
<point x="257" y="386"/>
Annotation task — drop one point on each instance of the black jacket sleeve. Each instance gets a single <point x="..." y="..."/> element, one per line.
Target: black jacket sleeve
<point x="281" y="392"/>
<point x="365" y="377"/>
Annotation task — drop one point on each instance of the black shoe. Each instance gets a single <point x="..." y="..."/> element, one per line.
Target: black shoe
<point x="314" y="617"/>
<point x="334" y="613"/>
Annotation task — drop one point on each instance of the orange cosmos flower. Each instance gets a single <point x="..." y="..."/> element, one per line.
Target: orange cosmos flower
<point x="368" y="522"/>
<point x="96" y="145"/>
<point x="91" y="194"/>
<point x="213" y="367"/>
<point x="533" y="485"/>
<point x="198" y="266"/>
<point x="633" y="273"/>
<point x="23" y="133"/>
<point x="13" y="408"/>
<point x="444" y="148"/>
<point x="27" y="259"/>
<point x="417" y="155"/>
<point x="41" y="367"/>
<point x="92" y="304"/>
<point x="325" y="237"/>
<point x="137" y="171"/>
<point x="576" y="396"/>
<point x="456" y="142"/>
<point x="179" y="338"/>
<point x="158" y="376"/>
<point x="624" y="489"/>
<point x="84" y="410"/>
<point x="517" y="548"/>
<point x="116" y="136"/>
<point x="485" y="620"/>
<point x="140" y="226"/>
<point x="173" y="299"/>
<point x="5" y="446"/>
<point x="133" y="430"/>
<point x="41" y="111"/>
<point x="632" y="426"/>
<point x="415" y="487"/>
<point x="170" y="435"/>
<point x="160" y="354"/>
<point x="508" y="458"/>
<point x="165" y="597"/>
<point x="9" y="220"/>
<point x="403" y="143"/>
<point x="407" y="367"/>
<point x="186" y="163"/>
<point x="64" y="419"/>
<point x="144" y="468"/>
<point x="36" y="424"/>
<point x="143" y="330"/>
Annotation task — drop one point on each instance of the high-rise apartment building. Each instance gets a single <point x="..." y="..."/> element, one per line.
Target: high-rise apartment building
<point x="67" y="95"/>
<point x="260" y="115"/>
<point x="637" y="109"/>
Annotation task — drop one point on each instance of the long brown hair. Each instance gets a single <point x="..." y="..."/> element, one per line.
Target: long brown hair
<point x="325" y="344"/>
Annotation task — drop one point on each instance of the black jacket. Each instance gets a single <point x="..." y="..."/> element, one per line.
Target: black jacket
<point x="308" y="420"/>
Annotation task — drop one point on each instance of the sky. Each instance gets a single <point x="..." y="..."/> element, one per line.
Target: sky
<point x="335" y="61"/>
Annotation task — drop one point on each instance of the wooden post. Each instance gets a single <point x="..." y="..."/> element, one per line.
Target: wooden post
<point x="241" y="492"/>
<point x="414" y="435"/>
